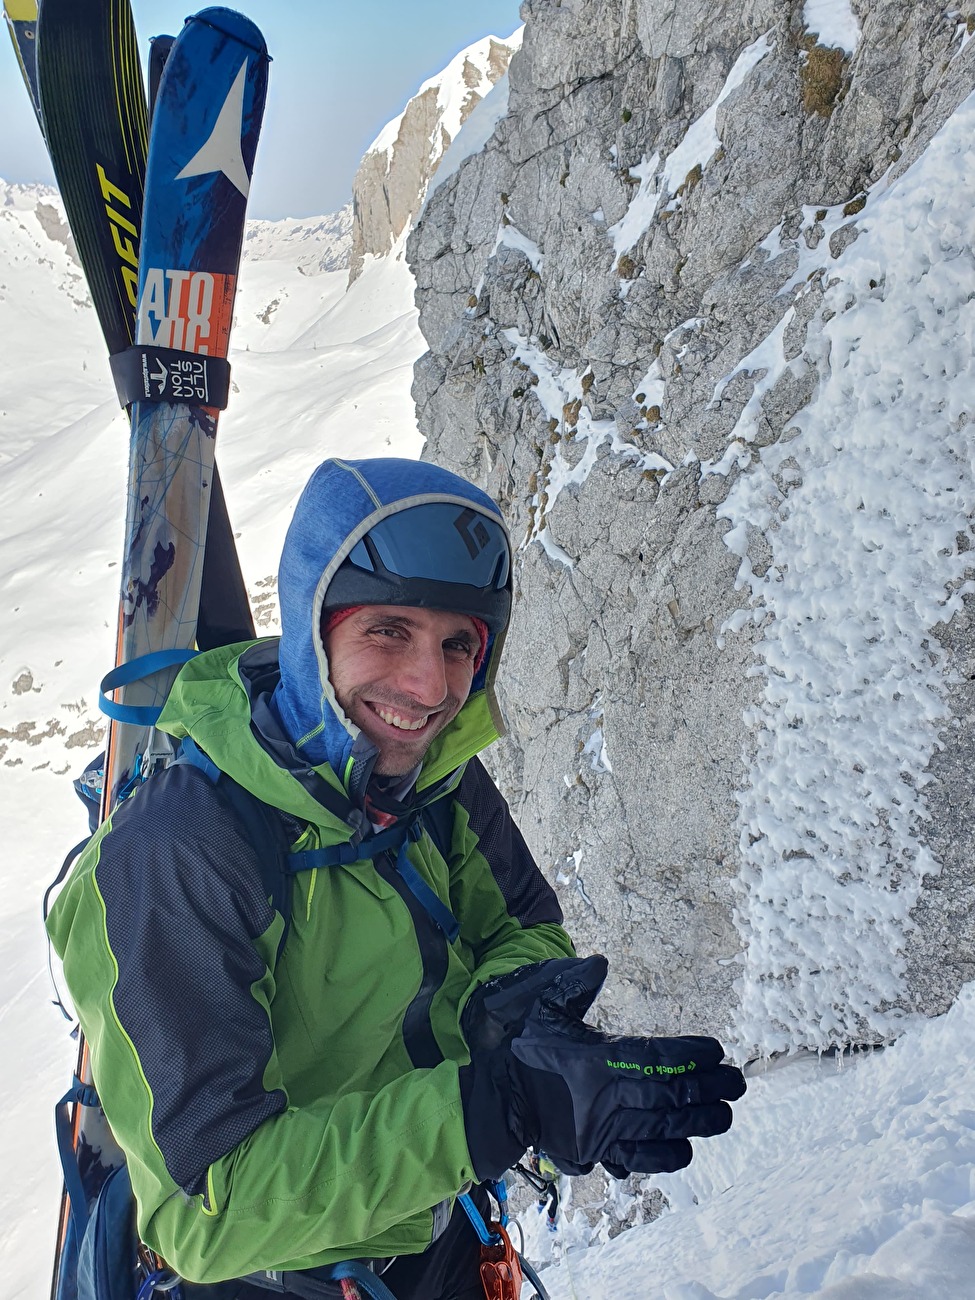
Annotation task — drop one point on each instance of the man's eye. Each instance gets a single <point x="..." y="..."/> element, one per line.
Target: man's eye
<point x="463" y="647"/>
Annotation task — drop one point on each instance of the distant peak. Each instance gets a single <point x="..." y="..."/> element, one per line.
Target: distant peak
<point x="392" y="180"/>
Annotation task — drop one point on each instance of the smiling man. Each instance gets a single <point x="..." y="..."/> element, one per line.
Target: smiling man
<point x="299" y="1086"/>
<point x="401" y="675"/>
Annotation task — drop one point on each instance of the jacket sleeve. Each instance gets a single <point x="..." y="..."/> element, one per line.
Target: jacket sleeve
<point x="169" y="947"/>
<point x="508" y="912"/>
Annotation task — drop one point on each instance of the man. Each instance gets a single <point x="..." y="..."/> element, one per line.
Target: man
<point x="291" y="1097"/>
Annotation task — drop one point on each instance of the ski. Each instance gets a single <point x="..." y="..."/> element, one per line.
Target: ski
<point x="205" y="128"/>
<point x="204" y="137"/>
<point x="159" y="47"/>
<point x="92" y="108"/>
<point x="93" y="112"/>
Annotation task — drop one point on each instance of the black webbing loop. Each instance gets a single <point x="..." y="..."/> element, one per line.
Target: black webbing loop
<point x="146" y="373"/>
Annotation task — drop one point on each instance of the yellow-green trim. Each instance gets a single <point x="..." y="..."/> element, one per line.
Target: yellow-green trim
<point x="311" y="735"/>
<point x="209" y="1206"/>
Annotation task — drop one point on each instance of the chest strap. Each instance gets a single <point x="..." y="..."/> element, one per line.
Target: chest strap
<point x="393" y="840"/>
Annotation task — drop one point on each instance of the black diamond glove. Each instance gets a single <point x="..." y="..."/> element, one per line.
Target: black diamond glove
<point x="539" y="1076"/>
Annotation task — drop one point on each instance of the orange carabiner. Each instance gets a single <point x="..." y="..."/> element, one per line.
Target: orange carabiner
<point x="501" y="1274"/>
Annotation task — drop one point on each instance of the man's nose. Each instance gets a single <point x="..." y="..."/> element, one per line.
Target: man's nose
<point x="424" y="676"/>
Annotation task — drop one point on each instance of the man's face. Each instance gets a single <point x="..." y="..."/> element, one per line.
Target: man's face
<point x="401" y="674"/>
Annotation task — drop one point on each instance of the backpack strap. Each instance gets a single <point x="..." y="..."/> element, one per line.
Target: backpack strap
<point x="79" y="1094"/>
<point x="264" y="827"/>
<point x="137" y="670"/>
<point x="392" y="841"/>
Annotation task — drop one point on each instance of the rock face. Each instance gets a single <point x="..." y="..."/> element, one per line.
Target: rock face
<point x="397" y="167"/>
<point x="699" y="317"/>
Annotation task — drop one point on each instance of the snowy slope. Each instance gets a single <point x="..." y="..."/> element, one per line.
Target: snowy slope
<point x="45" y="317"/>
<point x="466" y="72"/>
<point x="850" y="1182"/>
<point x="313" y="244"/>
<point x="399" y="166"/>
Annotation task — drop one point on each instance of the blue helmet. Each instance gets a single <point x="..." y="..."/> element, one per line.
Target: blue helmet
<point x="433" y="555"/>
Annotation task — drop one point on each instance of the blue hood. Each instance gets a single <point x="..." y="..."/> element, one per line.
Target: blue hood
<point x="342" y="501"/>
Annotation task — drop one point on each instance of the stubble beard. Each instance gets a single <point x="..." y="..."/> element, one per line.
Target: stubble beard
<point x="398" y="757"/>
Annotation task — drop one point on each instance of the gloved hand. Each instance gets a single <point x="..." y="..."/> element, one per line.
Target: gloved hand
<point x="541" y="1077"/>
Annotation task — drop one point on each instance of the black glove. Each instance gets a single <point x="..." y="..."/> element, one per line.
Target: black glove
<point x="541" y="1077"/>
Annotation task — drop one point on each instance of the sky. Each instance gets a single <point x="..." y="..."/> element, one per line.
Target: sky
<point x="340" y="72"/>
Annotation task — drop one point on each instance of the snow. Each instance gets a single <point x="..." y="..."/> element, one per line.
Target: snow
<point x="29" y="399"/>
<point x="701" y="141"/>
<point x="962" y="32"/>
<point x="452" y="90"/>
<point x="478" y="129"/>
<point x="328" y="241"/>
<point x="510" y="236"/>
<point x="834" y="23"/>
<point x="768" y="356"/>
<point x="813" y="253"/>
<point x="832" y="854"/>
<point x="595" y="750"/>
<point x="635" y="221"/>
<point x="651" y="388"/>
<point x="698" y="146"/>
<point x="849" y="1180"/>
<point x="577" y="448"/>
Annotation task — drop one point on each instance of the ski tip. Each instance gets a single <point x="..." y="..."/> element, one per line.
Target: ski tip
<point x="236" y="26"/>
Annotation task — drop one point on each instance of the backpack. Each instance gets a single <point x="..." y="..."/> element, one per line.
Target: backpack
<point x="101" y="1249"/>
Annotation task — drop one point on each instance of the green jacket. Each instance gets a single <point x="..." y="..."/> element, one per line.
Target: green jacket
<point x="286" y="1111"/>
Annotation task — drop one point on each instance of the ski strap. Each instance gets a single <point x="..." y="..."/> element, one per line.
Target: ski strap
<point x="146" y="373"/>
<point x="136" y="670"/>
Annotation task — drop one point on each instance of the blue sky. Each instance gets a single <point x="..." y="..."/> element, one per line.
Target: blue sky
<point x="340" y="72"/>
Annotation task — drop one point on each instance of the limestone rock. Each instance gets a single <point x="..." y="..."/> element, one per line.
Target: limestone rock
<point x="631" y="298"/>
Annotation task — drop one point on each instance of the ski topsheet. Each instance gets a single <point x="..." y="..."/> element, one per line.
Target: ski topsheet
<point x="206" y="123"/>
<point x="93" y="109"/>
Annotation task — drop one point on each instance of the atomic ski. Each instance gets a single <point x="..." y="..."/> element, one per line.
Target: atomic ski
<point x="91" y="105"/>
<point x="205" y="127"/>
